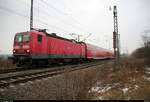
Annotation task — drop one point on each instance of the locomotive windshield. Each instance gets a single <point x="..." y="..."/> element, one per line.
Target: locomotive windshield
<point x="22" y="38"/>
<point x="18" y="38"/>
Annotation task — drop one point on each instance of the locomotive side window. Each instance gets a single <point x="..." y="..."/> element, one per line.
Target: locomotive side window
<point x="39" y="38"/>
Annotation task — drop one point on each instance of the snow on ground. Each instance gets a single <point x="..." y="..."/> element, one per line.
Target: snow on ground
<point x="146" y="78"/>
<point x="102" y="88"/>
<point x="125" y="90"/>
<point x="148" y="68"/>
<point x="147" y="72"/>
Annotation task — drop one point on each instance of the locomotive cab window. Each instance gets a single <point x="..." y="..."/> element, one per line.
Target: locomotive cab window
<point x="22" y="38"/>
<point x="18" y="38"/>
<point x="26" y="38"/>
<point x="39" y="38"/>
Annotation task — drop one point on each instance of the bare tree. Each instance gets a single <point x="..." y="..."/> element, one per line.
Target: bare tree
<point x="146" y="39"/>
<point x="144" y="51"/>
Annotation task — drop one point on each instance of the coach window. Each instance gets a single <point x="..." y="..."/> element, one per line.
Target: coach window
<point x="39" y="38"/>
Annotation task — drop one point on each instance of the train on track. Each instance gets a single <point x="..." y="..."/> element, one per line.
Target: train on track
<point x="39" y="47"/>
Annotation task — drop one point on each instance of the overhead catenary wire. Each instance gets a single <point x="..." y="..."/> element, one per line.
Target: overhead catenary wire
<point x="49" y="14"/>
<point x="74" y="17"/>
<point x="27" y="17"/>
<point x="61" y="12"/>
<point x="36" y="19"/>
<point x="62" y="21"/>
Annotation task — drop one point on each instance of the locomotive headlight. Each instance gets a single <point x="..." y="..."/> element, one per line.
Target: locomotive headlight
<point x="26" y="47"/>
<point x="28" y="51"/>
<point x="14" y="50"/>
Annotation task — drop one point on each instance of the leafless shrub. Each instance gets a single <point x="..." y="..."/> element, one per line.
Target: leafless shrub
<point x="143" y="52"/>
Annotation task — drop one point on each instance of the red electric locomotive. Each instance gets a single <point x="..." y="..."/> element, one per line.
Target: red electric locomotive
<point x="39" y="47"/>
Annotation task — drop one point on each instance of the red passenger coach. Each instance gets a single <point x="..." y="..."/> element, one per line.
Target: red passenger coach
<point x="94" y="52"/>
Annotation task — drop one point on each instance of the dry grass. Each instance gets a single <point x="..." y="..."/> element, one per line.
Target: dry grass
<point x="4" y="64"/>
<point x="76" y="85"/>
<point x="129" y="74"/>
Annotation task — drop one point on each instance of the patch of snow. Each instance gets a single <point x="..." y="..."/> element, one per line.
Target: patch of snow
<point x="125" y="90"/>
<point x="12" y="86"/>
<point x="37" y="80"/>
<point x="22" y="84"/>
<point x="148" y="68"/>
<point x="146" y="78"/>
<point x="136" y="86"/>
<point x="100" y="98"/>
<point x="2" y="90"/>
<point x="31" y="82"/>
<point x="148" y="72"/>
<point x="95" y="89"/>
<point x="102" y="89"/>
<point x="132" y="79"/>
<point x="129" y="98"/>
<point x="45" y="79"/>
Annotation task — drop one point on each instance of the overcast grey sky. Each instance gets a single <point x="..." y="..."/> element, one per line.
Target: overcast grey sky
<point x="76" y="16"/>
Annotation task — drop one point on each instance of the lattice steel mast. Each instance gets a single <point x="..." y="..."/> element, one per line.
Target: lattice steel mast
<point x="31" y="16"/>
<point x="116" y="37"/>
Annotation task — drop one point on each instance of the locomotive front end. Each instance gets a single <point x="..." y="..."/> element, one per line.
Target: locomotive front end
<point x="21" y="48"/>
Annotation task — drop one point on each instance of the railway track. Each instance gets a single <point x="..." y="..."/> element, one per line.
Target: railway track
<point x="19" y="69"/>
<point x="25" y="77"/>
<point x="11" y="70"/>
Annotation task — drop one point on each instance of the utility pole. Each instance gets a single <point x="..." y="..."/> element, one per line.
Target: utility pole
<point x="31" y="16"/>
<point x="116" y="37"/>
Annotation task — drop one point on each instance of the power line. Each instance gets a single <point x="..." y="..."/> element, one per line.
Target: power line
<point x="19" y="14"/>
<point x="46" y="13"/>
<point x="59" y="11"/>
<point x="49" y="14"/>
<point x="73" y="17"/>
<point x="13" y="12"/>
<point x="49" y="5"/>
